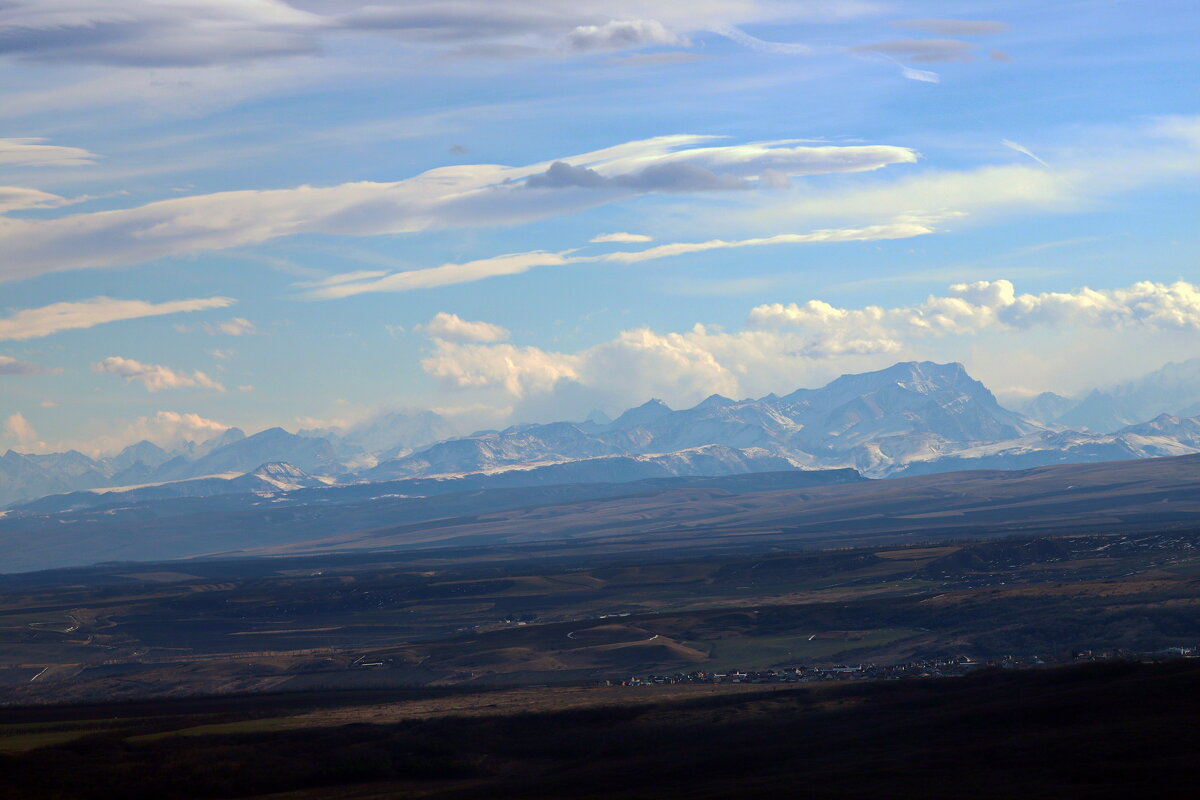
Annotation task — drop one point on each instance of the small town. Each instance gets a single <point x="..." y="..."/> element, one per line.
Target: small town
<point x="924" y="668"/>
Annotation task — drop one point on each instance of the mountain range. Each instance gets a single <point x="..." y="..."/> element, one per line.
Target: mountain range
<point x="911" y="418"/>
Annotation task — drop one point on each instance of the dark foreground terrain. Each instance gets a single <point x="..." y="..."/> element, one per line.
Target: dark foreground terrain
<point x="1113" y="730"/>
<point x="784" y="643"/>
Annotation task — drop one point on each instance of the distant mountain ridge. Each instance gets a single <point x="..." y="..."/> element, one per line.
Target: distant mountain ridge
<point x="910" y="418"/>
<point x="873" y="422"/>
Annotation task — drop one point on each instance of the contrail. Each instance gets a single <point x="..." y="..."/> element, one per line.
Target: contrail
<point x="1020" y="148"/>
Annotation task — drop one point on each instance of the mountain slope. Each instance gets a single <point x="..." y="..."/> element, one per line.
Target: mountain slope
<point x="874" y="422"/>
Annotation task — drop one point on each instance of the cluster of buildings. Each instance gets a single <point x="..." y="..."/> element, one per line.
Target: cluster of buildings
<point x="925" y="668"/>
<point x="931" y="668"/>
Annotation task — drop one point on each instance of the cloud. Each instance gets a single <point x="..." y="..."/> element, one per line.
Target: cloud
<point x="453" y="328"/>
<point x="168" y="429"/>
<point x="200" y="33"/>
<point x="1020" y="148"/>
<point x="1123" y="159"/>
<point x="13" y="366"/>
<point x="973" y="307"/>
<point x="19" y="429"/>
<point x="17" y="198"/>
<point x="146" y="33"/>
<point x="517" y="263"/>
<point x="237" y="326"/>
<point x="518" y="370"/>
<point x="446" y="197"/>
<point x="754" y="43"/>
<point x="32" y="153"/>
<point x="154" y="377"/>
<point x="623" y="35"/>
<point x="953" y="27"/>
<point x="621" y="238"/>
<point x="32" y="323"/>
<point x="656" y="178"/>
<point x="789" y="345"/>
<point x="927" y="50"/>
<point x="922" y="75"/>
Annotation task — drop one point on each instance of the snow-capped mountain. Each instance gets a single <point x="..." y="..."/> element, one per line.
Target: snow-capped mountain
<point x="911" y="417"/>
<point x="1173" y="389"/>
<point x="267" y="479"/>
<point x="874" y="422"/>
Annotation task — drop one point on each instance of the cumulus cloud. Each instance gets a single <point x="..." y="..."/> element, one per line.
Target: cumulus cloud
<point x="953" y="27"/>
<point x="622" y="35"/>
<point x="517" y="370"/>
<point x="14" y="366"/>
<point x="168" y="429"/>
<point x="32" y="323"/>
<point x="19" y="430"/>
<point x="154" y="377"/>
<point x="453" y="328"/>
<point x="516" y="263"/>
<point x="974" y="307"/>
<point x="621" y="238"/>
<point x="33" y="153"/>
<point x="237" y="326"/>
<point x="788" y="345"/>
<point x="447" y="197"/>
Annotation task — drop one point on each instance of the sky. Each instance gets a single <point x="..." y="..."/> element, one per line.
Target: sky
<point x="252" y="213"/>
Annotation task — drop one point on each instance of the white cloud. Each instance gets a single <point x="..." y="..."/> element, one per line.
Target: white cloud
<point x="32" y="153"/>
<point x="19" y="430"/>
<point x="154" y="33"/>
<point x="35" y="322"/>
<point x="516" y="263"/>
<point x="16" y="198"/>
<point x="1023" y="150"/>
<point x="155" y="377"/>
<point x="14" y="366"/>
<point x="622" y="35"/>
<point x="168" y="429"/>
<point x="790" y="345"/>
<point x="517" y="370"/>
<point x="447" y="197"/>
<point x="974" y="307"/>
<point x="1087" y="169"/>
<point x="621" y="238"/>
<point x="191" y="33"/>
<point x="453" y="328"/>
<point x="236" y="326"/>
<point x="754" y="43"/>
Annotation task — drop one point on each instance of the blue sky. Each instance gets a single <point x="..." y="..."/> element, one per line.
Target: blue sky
<point x="259" y="213"/>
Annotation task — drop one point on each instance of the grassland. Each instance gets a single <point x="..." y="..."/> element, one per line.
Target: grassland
<point x="370" y="623"/>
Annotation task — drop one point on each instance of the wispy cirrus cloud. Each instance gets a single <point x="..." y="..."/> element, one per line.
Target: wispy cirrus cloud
<point x="32" y="323"/>
<point x="517" y="263"/>
<point x="35" y="153"/>
<point x="447" y="197"/>
<point x="15" y="366"/>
